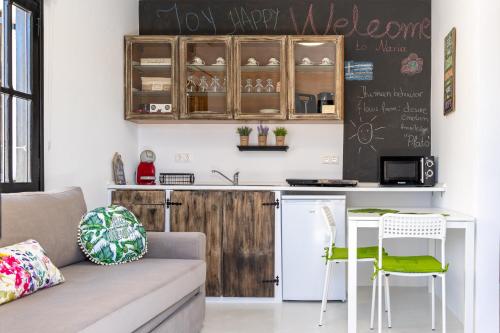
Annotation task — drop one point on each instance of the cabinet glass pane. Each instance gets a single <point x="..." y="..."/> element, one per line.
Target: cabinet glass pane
<point x="152" y="78"/>
<point x="207" y="77"/>
<point x="260" y="85"/>
<point x="315" y="74"/>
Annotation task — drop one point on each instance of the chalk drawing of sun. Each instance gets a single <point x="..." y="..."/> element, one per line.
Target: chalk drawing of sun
<point x="366" y="134"/>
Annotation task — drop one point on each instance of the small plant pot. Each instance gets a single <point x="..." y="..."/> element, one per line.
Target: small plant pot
<point x="244" y="140"/>
<point x="280" y="141"/>
<point x="262" y="140"/>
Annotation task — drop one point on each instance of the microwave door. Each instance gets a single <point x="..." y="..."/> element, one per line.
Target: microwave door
<point x="422" y="172"/>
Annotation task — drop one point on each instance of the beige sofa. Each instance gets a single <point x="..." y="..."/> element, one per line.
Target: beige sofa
<point x="163" y="292"/>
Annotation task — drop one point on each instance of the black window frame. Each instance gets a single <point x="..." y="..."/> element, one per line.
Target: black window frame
<point x="35" y="7"/>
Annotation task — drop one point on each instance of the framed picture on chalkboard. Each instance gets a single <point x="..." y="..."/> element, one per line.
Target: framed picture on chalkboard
<point x="449" y="71"/>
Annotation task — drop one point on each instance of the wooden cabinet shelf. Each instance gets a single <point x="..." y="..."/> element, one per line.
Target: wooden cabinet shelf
<point x="207" y="68"/>
<point x="264" y="68"/>
<point x="298" y="92"/>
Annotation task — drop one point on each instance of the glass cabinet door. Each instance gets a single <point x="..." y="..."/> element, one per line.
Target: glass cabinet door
<point x="260" y="79"/>
<point x="150" y="78"/>
<point x="205" y="77"/>
<point x="316" y="77"/>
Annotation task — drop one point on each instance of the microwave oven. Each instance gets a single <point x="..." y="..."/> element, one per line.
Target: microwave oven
<point x="407" y="171"/>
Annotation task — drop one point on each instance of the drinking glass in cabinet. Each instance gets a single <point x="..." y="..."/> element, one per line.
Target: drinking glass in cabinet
<point x="204" y="66"/>
<point x="260" y="63"/>
<point x="149" y="77"/>
<point x="317" y="77"/>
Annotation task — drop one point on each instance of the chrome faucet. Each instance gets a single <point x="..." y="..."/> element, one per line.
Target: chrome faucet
<point x="235" y="179"/>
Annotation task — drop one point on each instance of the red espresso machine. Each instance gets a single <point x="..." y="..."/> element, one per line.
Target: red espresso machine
<point x="146" y="171"/>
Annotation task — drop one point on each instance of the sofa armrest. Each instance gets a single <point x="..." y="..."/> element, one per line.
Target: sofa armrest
<point x="176" y="245"/>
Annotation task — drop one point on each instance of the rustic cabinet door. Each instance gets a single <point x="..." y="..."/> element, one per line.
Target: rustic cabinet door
<point x="201" y="211"/>
<point x="147" y="206"/>
<point x="248" y="244"/>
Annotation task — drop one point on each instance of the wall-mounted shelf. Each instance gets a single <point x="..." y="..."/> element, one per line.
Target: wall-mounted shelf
<point x="263" y="148"/>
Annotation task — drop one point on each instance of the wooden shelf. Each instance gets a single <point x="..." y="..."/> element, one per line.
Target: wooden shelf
<point x="315" y="68"/>
<point x="260" y="94"/>
<point x="263" y="148"/>
<point x="265" y="68"/>
<point x="207" y="68"/>
<point x="207" y="93"/>
<point x="152" y="68"/>
<point x="152" y="93"/>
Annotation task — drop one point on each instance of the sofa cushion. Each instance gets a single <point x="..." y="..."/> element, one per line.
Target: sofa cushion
<point x="49" y="217"/>
<point x="97" y="298"/>
<point x="112" y="235"/>
<point x="24" y="269"/>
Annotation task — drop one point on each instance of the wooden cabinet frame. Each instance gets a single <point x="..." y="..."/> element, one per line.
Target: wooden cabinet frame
<point x="339" y="83"/>
<point x="238" y="40"/>
<point x="130" y="41"/>
<point x="183" y="42"/>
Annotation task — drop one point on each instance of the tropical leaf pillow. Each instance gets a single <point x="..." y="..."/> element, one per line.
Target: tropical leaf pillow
<point x="24" y="269"/>
<point x="112" y="235"/>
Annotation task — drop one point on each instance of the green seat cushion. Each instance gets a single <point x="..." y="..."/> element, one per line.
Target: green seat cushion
<point x="112" y="235"/>
<point x="412" y="264"/>
<point x="341" y="253"/>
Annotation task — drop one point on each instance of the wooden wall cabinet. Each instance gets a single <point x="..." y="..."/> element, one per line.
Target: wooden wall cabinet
<point x="214" y="77"/>
<point x="206" y="76"/>
<point x="316" y="77"/>
<point x="240" y="238"/>
<point x="153" y="59"/>
<point x="260" y="77"/>
<point x="147" y="206"/>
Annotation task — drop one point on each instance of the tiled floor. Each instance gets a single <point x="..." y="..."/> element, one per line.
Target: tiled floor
<point x="410" y="314"/>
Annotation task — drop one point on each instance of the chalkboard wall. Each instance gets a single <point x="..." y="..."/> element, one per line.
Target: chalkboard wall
<point x="387" y="54"/>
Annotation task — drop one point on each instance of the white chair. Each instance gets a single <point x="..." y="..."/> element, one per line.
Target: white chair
<point x="426" y="226"/>
<point x="338" y="255"/>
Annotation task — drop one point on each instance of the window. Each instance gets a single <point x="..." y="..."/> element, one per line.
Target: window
<point x="21" y="117"/>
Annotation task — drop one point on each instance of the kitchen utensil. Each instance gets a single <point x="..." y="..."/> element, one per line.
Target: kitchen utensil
<point x="197" y="61"/>
<point x="219" y="62"/>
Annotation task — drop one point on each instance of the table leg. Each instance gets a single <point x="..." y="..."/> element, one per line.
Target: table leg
<point x="470" y="264"/>
<point x="352" y="280"/>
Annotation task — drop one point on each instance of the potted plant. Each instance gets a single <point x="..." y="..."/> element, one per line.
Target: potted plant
<point x="280" y="133"/>
<point x="244" y="133"/>
<point x="263" y="131"/>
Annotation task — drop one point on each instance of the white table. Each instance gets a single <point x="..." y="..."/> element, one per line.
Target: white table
<point x="455" y="221"/>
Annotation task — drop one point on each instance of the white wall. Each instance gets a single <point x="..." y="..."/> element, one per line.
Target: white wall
<point x="464" y="143"/>
<point x="488" y="175"/>
<point x="213" y="146"/>
<point x="84" y="93"/>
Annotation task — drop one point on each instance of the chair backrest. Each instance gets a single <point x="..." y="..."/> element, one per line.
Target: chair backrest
<point x="430" y="226"/>
<point x="426" y="226"/>
<point x="330" y="223"/>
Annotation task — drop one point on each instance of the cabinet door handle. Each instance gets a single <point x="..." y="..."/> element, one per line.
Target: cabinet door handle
<point x="275" y="281"/>
<point x="171" y="203"/>
<point x="275" y="203"/>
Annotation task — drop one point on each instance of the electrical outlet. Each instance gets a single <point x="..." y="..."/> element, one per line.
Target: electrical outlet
<point x="329" y="159"/>
<point x="182" y="157"/>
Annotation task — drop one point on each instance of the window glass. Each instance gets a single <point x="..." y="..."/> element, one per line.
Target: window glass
<point x="21" y="49"/>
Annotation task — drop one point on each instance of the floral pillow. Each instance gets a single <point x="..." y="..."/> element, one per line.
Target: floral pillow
<point x="24" y="269"/>
<point x="112" y="235"/>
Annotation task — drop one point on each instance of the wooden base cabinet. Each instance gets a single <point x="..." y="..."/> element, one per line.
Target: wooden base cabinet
<point x="248" y="244"/>
<point x="147" y="206"/>
<point x="201" y="211"/>
<point x="240" y="238"/>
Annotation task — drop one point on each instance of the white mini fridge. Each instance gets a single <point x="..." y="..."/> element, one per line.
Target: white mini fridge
<point x="304" y="237"/>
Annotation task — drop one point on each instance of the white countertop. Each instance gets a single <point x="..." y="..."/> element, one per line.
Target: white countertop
<point x="362" y="187"/>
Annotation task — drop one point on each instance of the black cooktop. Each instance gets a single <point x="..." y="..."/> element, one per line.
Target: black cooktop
<point x="322" y="182"/>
